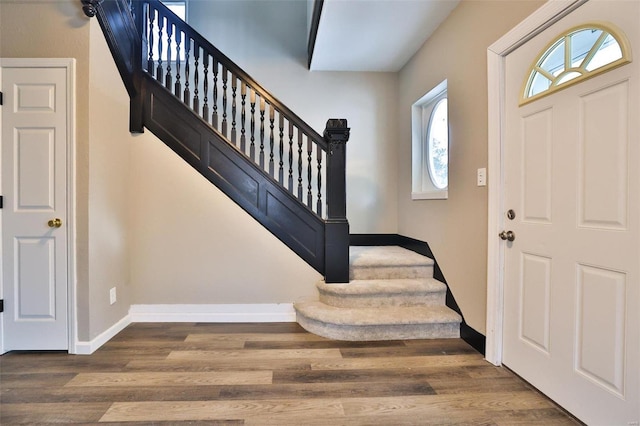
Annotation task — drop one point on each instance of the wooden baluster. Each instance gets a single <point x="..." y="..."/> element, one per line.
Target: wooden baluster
<point x="143" y="23"/>
<point x="196" y="58"/>
<point x="299" y="165"/>
<point x="205" y="89"/>
<point x="262" y="132"/>
<point x="281" y="127"/>
<point x="168" y="80"/>
<point x="159" y="69"/>
<point x="178" y="86"/>
<point x="234" y="85"/>
<point x="290" y="156"/>
<point x="186" y="98"/>
<point x="252" y="147"/>
<point x="243" y="138"/>
<point x="271" y="140"/>
<point x="150" y="62"/>
<point x="319" y="159"/>
<point x="309" y="166"/>
<point x="224" y="100"/>
<point x="214" y="118"/>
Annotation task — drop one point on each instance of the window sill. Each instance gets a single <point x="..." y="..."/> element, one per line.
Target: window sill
<point x="430" y="195"/>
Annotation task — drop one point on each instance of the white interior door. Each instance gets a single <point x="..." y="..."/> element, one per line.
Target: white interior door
<point x="571" y="277"/>
<point x="34" y="216"/>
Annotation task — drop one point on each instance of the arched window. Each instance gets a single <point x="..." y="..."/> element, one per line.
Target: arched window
<point x="430" y="145"/>
<point x="577" y="54"/>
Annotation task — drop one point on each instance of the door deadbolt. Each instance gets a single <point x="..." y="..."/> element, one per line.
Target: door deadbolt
<point x="507" y="235"/>
<point x="511" y="214"/>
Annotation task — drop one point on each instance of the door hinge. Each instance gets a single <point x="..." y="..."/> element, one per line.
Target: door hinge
<point x="1" y="201"/>
<point x="1" y="305"/>
<point x="1" y="99"/>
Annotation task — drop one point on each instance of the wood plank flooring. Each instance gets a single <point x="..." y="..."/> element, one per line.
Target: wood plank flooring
<point x="265" y="374"/>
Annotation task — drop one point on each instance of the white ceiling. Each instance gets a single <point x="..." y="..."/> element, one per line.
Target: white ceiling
<point x="374" y="35"/>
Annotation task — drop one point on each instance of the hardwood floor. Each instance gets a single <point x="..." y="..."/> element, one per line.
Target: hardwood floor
<point x="265" y="374"/>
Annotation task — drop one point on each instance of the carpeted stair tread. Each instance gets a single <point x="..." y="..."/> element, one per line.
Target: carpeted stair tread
<point x="389" y="292"/>
<point x="381" y="316"/>
<point x="383" y="256"/>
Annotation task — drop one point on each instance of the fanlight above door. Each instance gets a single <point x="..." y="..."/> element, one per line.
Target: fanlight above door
<point x="577" y="54"/>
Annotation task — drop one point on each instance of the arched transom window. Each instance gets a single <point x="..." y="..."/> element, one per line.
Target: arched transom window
<point x="577" y="54"/>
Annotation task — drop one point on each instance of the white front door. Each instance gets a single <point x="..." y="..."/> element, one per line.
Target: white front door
<point x="34" y="215"/>
<point x="571" y="277"/>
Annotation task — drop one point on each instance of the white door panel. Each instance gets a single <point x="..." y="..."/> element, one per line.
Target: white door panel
<point x="571" y="277"/>
<point x="34" y="152"/>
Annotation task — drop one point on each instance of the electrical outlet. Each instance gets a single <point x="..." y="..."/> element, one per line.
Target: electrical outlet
<point x="482" y="177"/>
<point x="112" y="296"/>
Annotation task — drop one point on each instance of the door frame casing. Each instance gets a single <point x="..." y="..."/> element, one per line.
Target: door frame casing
<point x="69" y="64"/>
<point x="538" y="21"/>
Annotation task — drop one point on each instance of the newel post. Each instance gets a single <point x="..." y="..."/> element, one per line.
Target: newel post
<point x="336" y="254"/>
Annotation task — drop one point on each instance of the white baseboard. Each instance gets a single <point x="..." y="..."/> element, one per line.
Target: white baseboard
<point x="263" y="312"/>
<point x="87" y="348"/>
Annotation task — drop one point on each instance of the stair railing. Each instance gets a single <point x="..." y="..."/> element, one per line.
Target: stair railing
<point x="309" y="166"/>
<point x="234" y="104"/>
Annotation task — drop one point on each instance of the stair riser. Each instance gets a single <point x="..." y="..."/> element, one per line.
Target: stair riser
<point x="380" y="332"/>
<point x="373" y="301"/>
<point x="390" y="272"/>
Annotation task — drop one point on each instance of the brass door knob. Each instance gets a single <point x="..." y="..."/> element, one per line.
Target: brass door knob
<point x="55" y="223"/>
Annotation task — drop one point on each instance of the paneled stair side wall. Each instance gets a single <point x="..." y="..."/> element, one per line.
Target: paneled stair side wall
<point x="392" y="296"/>
<point x="230" y="129"/>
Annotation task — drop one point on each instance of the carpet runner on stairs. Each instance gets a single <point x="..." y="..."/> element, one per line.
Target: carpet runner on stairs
<point x="392" y="295"/>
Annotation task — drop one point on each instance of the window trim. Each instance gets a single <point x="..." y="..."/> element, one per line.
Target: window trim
<point x="422" y="186"/>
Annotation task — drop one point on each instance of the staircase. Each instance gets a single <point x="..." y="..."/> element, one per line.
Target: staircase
<point x="392" y="295"/>
<point x="234" y="132"/>
<point x="270" y="162"/>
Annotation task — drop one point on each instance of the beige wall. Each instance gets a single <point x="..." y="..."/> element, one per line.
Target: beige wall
<point x="456" y="229"/>
<point x="268" y="39"/>
<point x="109" y="186"/>
<point x="191" y="244"/>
